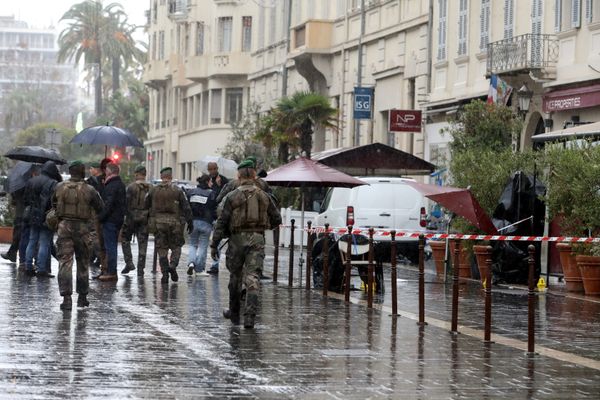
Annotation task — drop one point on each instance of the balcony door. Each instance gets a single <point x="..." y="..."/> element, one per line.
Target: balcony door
<point x="536" y="30"/>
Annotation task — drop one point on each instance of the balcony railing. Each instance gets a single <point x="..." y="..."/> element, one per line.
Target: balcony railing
<point x="522" y="53"/>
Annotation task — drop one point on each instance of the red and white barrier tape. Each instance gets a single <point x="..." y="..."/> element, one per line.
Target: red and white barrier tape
<point x="431" y="235"/>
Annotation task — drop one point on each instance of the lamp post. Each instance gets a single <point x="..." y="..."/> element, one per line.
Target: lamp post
<point x="524" y="95"/>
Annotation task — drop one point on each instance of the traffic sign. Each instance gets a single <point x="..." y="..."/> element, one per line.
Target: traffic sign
<point x="363" y="103"/>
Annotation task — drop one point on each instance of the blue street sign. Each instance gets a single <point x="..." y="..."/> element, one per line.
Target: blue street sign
<point x="363" y="102"/>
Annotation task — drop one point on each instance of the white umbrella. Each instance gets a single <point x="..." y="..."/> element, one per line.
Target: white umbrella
<point x="227" y="167"/>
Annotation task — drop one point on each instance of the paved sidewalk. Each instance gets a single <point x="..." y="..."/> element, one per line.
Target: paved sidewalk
<point x="140" y="339"/>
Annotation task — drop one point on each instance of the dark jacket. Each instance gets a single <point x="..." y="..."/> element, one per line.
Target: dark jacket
<point x="216" y="188"/>
<point x="115" y="202"/>
<point x="39" y="191"/>
<point x="96" y="183"/>
<point x="203" y="203"/>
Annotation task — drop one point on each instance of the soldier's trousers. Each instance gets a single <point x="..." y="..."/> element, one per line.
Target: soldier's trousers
<point x="73" y="241"/>
<point x="168" y="236"/>
<point x="141" y="232"/>
<point x="244" y="259"/>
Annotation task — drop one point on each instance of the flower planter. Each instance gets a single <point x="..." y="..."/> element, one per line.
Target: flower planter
<point x="481" y="254"/>
<point x="464" y="260"/>
<point x="590" y="273"/>
<point x="6" y="234"/>
<point x="438" y="250"/>
<point x="571" y="272"/>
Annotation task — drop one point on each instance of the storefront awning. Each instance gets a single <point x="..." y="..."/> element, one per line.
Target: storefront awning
<point x="374" y="159"/>
<point x="569" y="99"/>
<point x="576" y="132"/>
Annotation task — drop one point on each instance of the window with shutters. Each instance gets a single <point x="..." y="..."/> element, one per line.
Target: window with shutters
<point x="592" y="11"/>
<point x="215" y="106"/>
<point x="442" y="27"/>
<point x="233" y="105"/>
<point x="509" y="18"/>
<point x="462" y="27"/>
<point x="484" y="27"/>
<point x="567" y="15"/>
<point x="273" y="25"/>
<point x="225" y="27"/>
<point x="199" y="38"/>
<point x="246" y="34"/>
<point x="161" y="45"/>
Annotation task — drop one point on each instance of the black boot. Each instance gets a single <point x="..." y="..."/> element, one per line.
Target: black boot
<point x="164" y="267"/>
<point x="82" y="301"/>
<point x="233" y="312"/>
<point x="140" y="271"/>
<point x="174" y="276"/>
<point x="12" y="257"/>
<point x="250" y="311"/>
<point x="67" y="303"/>
<point x="127" y="269"/>
<point x="165" y="277"/>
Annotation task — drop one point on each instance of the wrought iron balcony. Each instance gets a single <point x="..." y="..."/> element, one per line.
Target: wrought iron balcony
<point x="522" y="53"/>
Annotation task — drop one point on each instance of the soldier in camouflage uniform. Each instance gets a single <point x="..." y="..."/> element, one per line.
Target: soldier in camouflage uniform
<point x="136" y="222"/>
<point x="246" y="213"/>
<point x="75" y="203"/>
<point x="168" y="206"/>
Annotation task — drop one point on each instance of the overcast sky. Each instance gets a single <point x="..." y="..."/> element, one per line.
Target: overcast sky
<point x="45" y="13"/>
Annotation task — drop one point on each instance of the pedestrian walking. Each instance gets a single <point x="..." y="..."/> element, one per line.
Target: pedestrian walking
<point x="111" y="218"/>
<point x="168" y="206"/>
<point x="97" y="253"/>
<point x="218" y="182"/>
<point x="136" y="222"/>
<point x="247" y="212"/>
<point x="38" y="196"/>
<point x="74" y="203"/>
<point x="204" y="211"/>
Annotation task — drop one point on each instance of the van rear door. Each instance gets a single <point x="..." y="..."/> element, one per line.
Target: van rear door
<point x="374" y="205"/>
<point x="407" y="207"/>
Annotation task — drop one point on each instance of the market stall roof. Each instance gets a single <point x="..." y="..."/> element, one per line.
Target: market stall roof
<point x="374" y="159"/>
<point x="575" y="132"/>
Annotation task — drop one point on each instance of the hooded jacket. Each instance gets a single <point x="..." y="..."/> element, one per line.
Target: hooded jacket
<point x="38" y="192"/>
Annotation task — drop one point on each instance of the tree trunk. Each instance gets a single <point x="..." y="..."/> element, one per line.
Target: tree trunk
<point x="116" y="78"/>
<point x="306" y="137"/>
<point x="283" y="152"/>
<point x="98" y="88"/>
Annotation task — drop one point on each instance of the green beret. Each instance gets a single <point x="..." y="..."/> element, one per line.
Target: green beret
<point x="95" y="164"/>
<point x="140" y="169"/>
<point x="253" y="159"/>
<point x="166" y="170"/>
<point x="76" y="163"/>
<point x="246" y="164"/>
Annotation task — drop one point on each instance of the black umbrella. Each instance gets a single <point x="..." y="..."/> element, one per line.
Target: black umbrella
<point x="35" y="154"/>
<point x="108" y="136"/>
<point x="18" y="176"/>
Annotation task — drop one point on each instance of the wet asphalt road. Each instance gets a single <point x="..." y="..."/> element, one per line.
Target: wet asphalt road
<point x="140" y="339"/>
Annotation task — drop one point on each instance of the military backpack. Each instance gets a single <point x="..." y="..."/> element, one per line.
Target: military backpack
<point x="72" y="202"/>
<point x="249" y="209"/>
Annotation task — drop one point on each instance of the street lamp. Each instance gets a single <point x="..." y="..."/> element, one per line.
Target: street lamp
<point x="524" y="95"/>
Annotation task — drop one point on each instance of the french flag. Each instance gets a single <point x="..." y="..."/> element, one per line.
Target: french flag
<point x="493" y="90"/>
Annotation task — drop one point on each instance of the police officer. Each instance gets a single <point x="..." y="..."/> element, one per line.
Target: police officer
<point x="74" y="202"/>
<point x="136" y="221"/>
<point x="246" y="213"/>
<point x="168" y="206"/>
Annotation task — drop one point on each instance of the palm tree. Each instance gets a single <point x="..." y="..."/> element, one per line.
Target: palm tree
<point x="97" y="33"/>
<point x="297" y="116"/>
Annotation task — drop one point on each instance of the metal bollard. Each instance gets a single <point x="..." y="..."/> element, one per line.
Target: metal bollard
<point x="370" y="280"/>
<point x="326" y="261"/>
<point x="348" y="266"/>
<point x="394" y="277"/>
<point x="291" y="265"/>
<point x="454" y="327"/>
<point x="531" y="302"/>
<point x="276" y="233"/>
<point x="488" y="295"/>
<point x="309" y="248"/>
<point x="421" y="279"/>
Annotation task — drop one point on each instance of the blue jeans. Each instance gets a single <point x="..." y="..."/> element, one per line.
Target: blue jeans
<point x="40" y="237"/>
<point x="23" y="242"/>
<point x="199" y="244"/>
<point x="111" y="242"/>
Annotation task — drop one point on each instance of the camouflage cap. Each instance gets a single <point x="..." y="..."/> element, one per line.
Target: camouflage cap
<point x="140" y="169"/>
<point x="246" y="164"/>
<point x="75" y="163"/>
<point x="166" y="170"/>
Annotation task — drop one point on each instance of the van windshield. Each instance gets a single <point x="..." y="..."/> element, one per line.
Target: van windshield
<point x="387" y="196"/>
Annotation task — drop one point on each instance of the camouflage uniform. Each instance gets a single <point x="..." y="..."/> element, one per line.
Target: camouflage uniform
<point x="136" y="222"/>
<point x="246" y="213"/>
<point x="75" y="203"/>
<point x="168" y="206"/>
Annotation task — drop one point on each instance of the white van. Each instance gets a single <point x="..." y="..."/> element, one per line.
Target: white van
<point x="385" y="203"/>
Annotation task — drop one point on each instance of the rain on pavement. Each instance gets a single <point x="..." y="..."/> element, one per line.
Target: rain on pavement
<point x="140" y="339"/>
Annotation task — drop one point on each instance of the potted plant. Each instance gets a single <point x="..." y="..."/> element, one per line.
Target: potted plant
<point x="6" y="220"/>
<point x="573" y="197"/>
